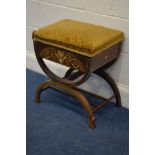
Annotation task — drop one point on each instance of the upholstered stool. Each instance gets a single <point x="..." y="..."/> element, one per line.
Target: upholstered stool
<point x="85" y="49"/>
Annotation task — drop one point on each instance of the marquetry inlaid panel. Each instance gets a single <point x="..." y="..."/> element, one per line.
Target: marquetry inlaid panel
<point x="63" y="57"/>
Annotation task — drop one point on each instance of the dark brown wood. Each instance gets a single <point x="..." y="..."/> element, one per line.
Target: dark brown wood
<point x="54" y="77"/>
<point x="103" y="104"/>
<point x="110" y="63"/>
<point x="77" y="94"/>
<point x="104" y="57"/>
<point x="74" y="60"/>
<point x="75" y="75"/>
<point x="39" y="89"/>
<point x="69" y="71"/>
<point x="61" y="56"/>
<point x="84" y="66"/>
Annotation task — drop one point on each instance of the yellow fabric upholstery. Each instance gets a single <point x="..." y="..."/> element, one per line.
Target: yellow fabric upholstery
<point x="83" y="38"/>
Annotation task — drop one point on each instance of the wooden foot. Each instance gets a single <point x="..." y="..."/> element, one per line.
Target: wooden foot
<point x="70" y="90"/>
<point x="92" y="123"/>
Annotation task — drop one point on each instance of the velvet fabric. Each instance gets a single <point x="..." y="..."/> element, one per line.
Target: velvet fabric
<point x="84" y="38"/>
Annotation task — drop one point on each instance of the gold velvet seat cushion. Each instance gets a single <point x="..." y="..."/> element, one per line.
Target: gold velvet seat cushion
<point x="83" y="38"/>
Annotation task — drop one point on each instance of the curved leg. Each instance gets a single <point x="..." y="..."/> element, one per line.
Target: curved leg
<point x="54" y="77"/>
<point x="68" y="73"/>
<point x="71" y="91"/>
<point x="100" y="72"/>
<point x="39" y="89"/>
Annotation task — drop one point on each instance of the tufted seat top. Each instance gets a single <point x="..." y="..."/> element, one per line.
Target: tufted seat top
<point x="83" y="38"/>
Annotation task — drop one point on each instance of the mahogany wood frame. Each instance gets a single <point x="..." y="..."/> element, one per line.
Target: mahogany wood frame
<point x="84" y="66"/>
